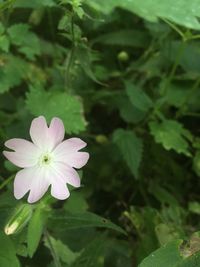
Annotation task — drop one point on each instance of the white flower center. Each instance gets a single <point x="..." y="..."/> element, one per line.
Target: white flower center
<point x="46" y="159"/>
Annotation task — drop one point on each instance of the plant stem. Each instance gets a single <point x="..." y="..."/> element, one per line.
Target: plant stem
<point x="174" y="67"/>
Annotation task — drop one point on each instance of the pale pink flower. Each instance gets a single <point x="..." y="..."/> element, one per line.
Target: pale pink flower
<point x="47" y="161"/>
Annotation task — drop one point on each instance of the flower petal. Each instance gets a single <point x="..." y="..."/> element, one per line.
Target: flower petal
<point x="59" y="190"/>
<point x="56" y="132"/>
<point x="22" y="182"/>
<point x="25" y="155"/>
<point x="67" y="174"/>
<point x="38" y="132"/>
<point x="70" y="145"/>
<point x="40" y="184"/>
<point x="76" y="160"/>
<point x="67" y="152"/>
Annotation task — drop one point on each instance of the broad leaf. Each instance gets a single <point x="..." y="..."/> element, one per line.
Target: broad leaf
<point x="182" y="12"/>
<point x="69" y="221"/>
<point x="60" y="104"/>
<point x="172" y="135"/>
<point x="7" y="252"/>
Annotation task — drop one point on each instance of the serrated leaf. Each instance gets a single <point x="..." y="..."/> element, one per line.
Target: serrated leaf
<point x="60" y="104"/>
<point x="28" y="42"/>
<point x="131" y="148"/>
<point x="172" y="135"/>
<point x="62" y="251"/>
<point x="35" y="230"/>
<point x="12" y="71"/>
<point x="182" y="12"/>
<point x="82" y="220"/>
<point x="138" y="97"/>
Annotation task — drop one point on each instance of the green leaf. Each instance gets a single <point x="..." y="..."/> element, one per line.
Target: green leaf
<point x="138" y="97"/>
<point x="172" y="135"/>
<point x="35" y="230"/>
<point x="62" y="251"/>
<point x="84" y="57"/>
<point x="4" y="43"/>
<point x="168" y="255"/>
<point x="33" y="4"/>
<point x="76" y="202"/>
<point x="182" y="12"/>
<point x="2" y="28"/>
<point x="133" y="38"/>
<point x="82" y="220"/>
<point x="60" y="104"/>
<point x="7" y="252"/>
<point x="128" y="112"/>
<point x="131" y="148"/>
<point x="27" y="41"/>
<point x="12" y="71"/>
<point x="192" y="261"/>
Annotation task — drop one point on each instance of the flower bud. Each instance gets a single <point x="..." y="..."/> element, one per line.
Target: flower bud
<point x="101" y="139"/>
<point x="123" y="56"/>
<point x="18" y="219"/>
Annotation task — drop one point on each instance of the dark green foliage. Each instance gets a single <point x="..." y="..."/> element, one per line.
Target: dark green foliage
<point x="123" y="75"/>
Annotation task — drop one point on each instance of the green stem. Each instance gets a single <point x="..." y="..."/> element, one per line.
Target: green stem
<point x="175" y="28"/>
<point x="174" y="67"/>
<point x="70" y="57"/>
<point x="6" y="181"/>
<point x="53" y="252"/>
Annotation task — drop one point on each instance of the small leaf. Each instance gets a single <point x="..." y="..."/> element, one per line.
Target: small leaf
<point x="172" y="135"/>
<point x="131" y="148"/>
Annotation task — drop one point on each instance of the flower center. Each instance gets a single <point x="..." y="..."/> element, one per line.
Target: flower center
<point x="45" y="159"/>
